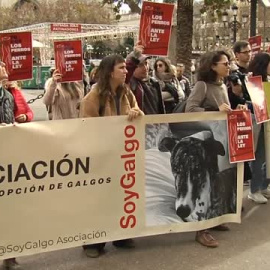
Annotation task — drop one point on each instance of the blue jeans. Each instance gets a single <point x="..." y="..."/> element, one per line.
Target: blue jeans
<point x="259" y="180"/>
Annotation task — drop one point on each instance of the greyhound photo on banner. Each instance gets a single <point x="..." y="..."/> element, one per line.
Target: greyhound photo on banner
<point x="188" y="175"/>
<point x="70" y="184"/>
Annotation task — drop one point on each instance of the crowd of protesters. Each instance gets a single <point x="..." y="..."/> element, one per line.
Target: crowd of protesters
<point x="130" y="87"/>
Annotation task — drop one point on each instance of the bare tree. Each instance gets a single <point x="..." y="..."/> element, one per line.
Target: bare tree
<point x="28" y="12"/>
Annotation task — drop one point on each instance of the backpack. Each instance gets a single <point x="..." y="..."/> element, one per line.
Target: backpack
<point x="6" y="107"/>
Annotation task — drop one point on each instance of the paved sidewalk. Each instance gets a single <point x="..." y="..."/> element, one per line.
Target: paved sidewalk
<point x="39" y="109"/>
<point x="245" y="247"/>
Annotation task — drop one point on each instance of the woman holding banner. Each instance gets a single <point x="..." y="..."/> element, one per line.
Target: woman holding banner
<point x="63" y="97"/>
<point x="110" y="96"/>
<point x="259" y="193"/>
<point x="210" y="94"/>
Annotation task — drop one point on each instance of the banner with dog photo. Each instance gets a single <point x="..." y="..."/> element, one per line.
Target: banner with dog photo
<point x="188" y="176"/>
<point x="70" y="184"/>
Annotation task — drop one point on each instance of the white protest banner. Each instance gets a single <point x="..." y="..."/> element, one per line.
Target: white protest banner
<point x="70" y="182"/>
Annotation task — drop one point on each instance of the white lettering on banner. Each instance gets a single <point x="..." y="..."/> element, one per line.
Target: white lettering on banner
<point x="72" y="55"/>
<point x="128" y="180"/>
<point x="160" y="22"/>
<point x="21" y="50"/>
<point x="19" y="57"/>
<point x="241" y="127"/>
<point x="157" y="31"/>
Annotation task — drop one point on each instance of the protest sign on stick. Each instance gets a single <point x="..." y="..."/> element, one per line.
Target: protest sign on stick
<point x="68" y="59"/>
<point x="155" y="27"/>
<point x="240" y="136"/>
<point x="255" y="44"/>
<point x="17" y="54"/>
<point x="257" y="95"/>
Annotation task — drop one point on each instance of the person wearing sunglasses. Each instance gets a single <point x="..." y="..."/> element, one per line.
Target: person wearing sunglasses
<point x="172" y="92"/>
<point x="210" y="93"/>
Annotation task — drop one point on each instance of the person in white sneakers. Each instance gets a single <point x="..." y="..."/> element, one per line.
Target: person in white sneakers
<point x="259" y="192"/>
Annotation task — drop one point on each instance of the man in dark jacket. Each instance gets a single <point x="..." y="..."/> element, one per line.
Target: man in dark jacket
<point x="237" y="90"/>
<point x="238" y="93"/>
<point x="146" y="89"/>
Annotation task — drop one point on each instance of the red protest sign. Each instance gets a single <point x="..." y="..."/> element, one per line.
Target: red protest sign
<point x="68" y="60"/>
<point x="66" y="27"/>
<point x="17" y="54"/>
<point x="255" y="44"/>
<point x="257" y="95"/>
<point x="240" y="134"/>
<point x="155" y="27"/>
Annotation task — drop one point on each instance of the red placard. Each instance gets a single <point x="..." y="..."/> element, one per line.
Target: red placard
<point x="257" y="95"/>
<point x="17" y="54"/>
<point x="66" y="27"/>
<point x="240" y="134"/>
<point x="68" y="60"/>
<point x="155" y="27"/>
<point x="255" y="44"/>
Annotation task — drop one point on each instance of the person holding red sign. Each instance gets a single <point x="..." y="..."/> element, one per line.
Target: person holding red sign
<point x="110" y="96"/>
<point x="145" y="88"/>
<point x="259" y="193"/>
<point x="63" y="97"/>
<point x="211" y="94"/>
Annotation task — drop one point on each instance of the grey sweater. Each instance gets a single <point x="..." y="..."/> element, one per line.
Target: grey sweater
<point x="207" y="97"/>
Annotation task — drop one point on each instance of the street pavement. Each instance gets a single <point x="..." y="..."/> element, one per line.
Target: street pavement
<point x="245" y="247"/>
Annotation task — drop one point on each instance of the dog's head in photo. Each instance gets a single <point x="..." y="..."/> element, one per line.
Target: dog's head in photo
<point x="194" y="164"/>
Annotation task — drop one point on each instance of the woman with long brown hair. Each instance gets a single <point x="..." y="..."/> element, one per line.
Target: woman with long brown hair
<point x="110" y="96"/>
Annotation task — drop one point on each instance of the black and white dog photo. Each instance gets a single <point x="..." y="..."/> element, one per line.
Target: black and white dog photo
<point x="202" y="190"/>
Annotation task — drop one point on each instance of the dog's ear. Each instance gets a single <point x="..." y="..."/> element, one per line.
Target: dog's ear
<point x="167" y="144"/>
<point x="215" y="146"/>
